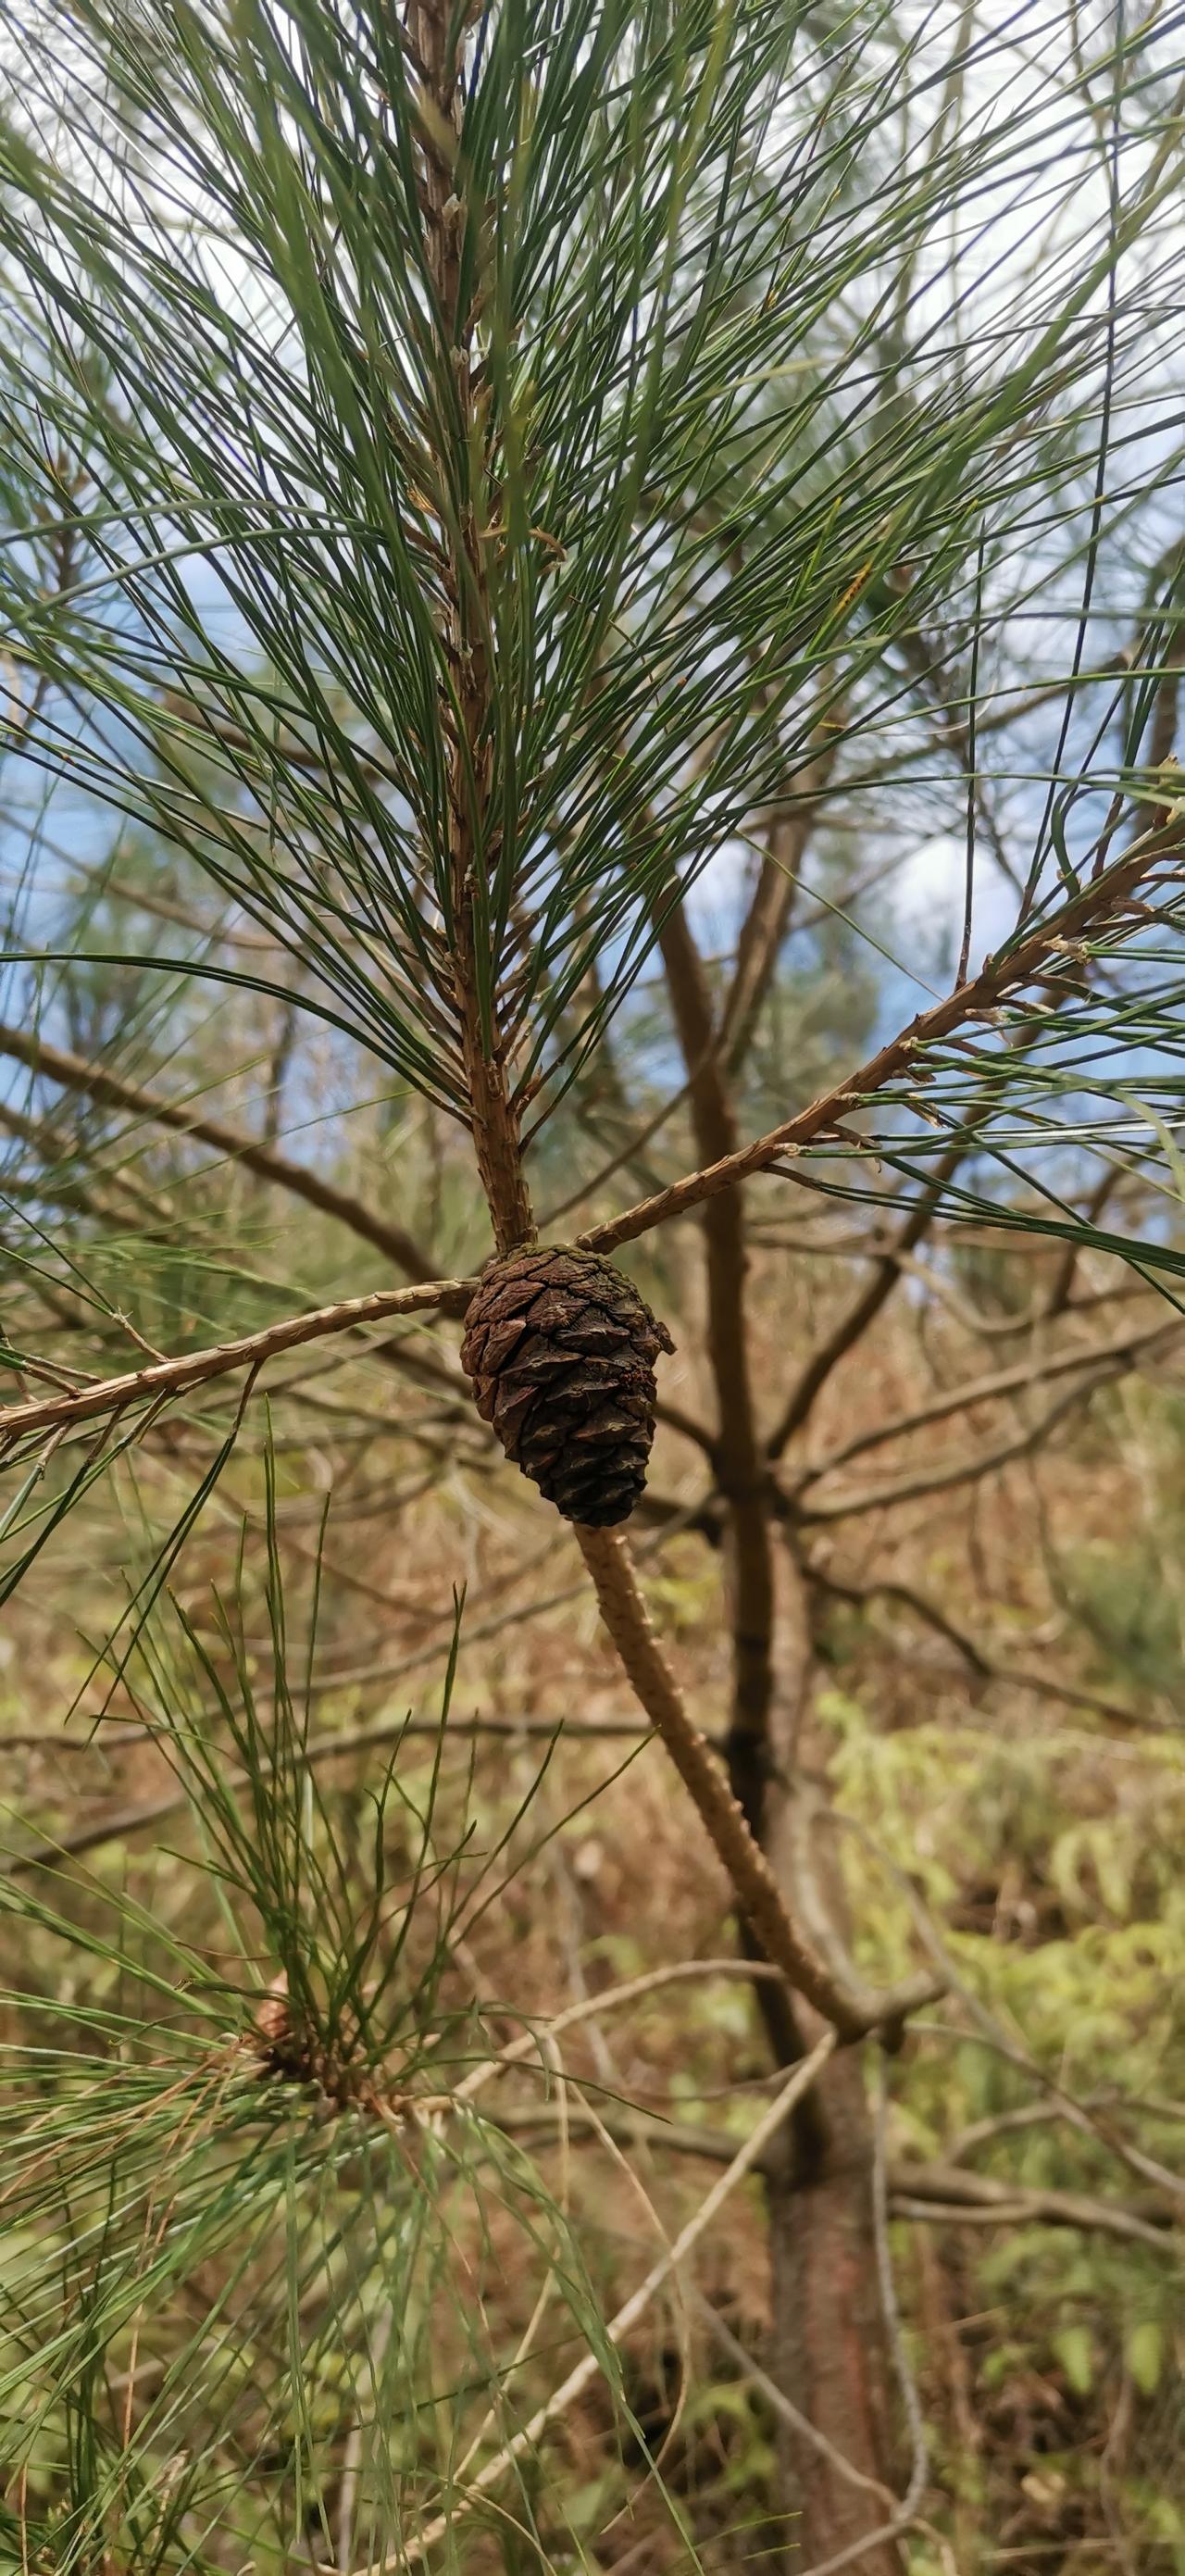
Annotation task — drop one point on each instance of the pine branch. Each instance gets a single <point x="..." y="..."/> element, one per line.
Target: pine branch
<point x="1003" y="977"/>
<point x="435" y="30"/>
<point x="762" y="1904"/>
<point x="167" y="1378"/>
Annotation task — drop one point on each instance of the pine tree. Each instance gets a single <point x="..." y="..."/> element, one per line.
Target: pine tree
<point x="483" y="485"/>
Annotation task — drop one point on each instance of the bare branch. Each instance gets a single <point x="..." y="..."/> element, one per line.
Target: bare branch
<point x="864" y="1308"/>
<point x="563" y="2397"/>
<point x="937" y="2194"/>
<point x="785" y="1944"/>
<point x="988" y="1667"/>
<point x="74" y="1073"/>
<point x="985" y="1390"/>
<point x="167" y="1378"/>
<point x="938" y="2191"/>
<point x="966" y="1470"/>
<point x="736" y="1452"/>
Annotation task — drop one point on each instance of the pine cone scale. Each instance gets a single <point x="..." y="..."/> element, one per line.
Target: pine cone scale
<point x="561" y="1349"/>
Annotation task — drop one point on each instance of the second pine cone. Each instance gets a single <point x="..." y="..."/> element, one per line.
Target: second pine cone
<point x="561" y="1351"/>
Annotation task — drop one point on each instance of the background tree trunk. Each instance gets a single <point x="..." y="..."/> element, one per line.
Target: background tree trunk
<point x="829" y="2347"/>
<point x="827" y="2343"/>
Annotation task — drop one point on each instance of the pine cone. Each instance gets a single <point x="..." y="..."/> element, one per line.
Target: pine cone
<point x="561" y="1351"/>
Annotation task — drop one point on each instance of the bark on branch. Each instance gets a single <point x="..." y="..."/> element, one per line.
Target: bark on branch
<point x="166" y="1378"/>
<point x="75" y="1073"/>
<point x="758" y="1895"/>
<point x="935" y="2193"/>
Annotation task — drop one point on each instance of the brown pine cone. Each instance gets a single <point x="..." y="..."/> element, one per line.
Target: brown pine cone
<point x="561" y="1351"/>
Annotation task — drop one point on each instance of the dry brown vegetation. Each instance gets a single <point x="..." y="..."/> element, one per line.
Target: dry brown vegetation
<point x="1006" y="1802"/>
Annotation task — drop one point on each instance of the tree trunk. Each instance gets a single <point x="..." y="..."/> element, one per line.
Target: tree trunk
<point x="827" y="2342"/>
<point x="829" y="2349"/>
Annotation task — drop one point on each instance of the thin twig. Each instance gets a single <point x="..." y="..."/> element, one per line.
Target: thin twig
<point x="352" y="2456"/>
<point x="987" y="1667"/>
<point x="968" y="1469"/>
<point x="764" y="928"/>
<point x="890" y="2309"/>
<point x="936" y="2194"/>
<point x="779" y="2404"/>
<point x="864" y="1308"/>
<point x="990" y="2035"/>
<point x="588" y="2369"/>
<point x="988" y="1390"/>
<point x="945" y="2192"/>
<point x="676" y="1973"/>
